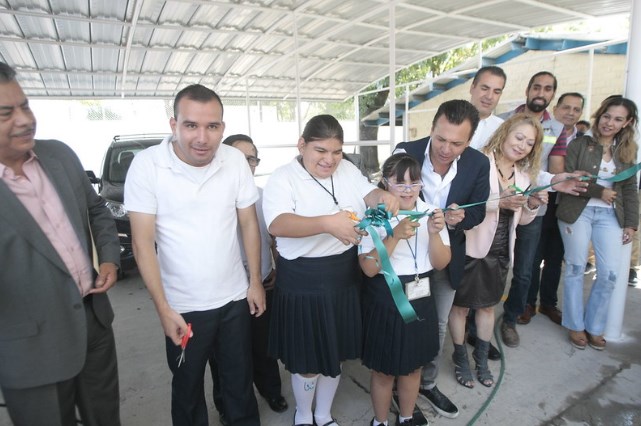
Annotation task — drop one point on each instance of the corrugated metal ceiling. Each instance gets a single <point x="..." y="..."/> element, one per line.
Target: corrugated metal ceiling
<point x="263" y="49"/>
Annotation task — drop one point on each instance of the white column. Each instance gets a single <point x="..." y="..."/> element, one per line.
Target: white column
<point x="614" y="324"/>
<point x="613" y="329"/>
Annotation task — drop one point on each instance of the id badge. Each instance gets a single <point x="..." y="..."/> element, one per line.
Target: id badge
<point x="417" y="289"/>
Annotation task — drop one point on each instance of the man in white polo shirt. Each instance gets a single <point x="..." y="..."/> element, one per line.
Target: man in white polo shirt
<point x="485" y="93"/>
<point x="187" y="196"/>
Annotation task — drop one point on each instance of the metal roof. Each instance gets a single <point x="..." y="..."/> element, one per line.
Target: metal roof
<point x="258" y="49"/>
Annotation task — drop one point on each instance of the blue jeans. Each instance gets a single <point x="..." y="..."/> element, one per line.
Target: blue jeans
<point x="601" y="225"/>
<point x="527" y="241"/>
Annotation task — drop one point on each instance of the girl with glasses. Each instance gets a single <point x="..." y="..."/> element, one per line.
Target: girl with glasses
<point x="391" y="348"/>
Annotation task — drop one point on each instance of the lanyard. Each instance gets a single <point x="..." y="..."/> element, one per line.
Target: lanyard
<point x="414" y="252"/>
<point x="321" y="185"/>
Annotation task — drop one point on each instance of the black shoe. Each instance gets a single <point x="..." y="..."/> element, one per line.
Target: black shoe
<point x="418" y="418"/>
<point x="632" y="278"/>
<point x="493" y="355"/>
<point x="277" y="404"/>
<point x="441" y="404"/>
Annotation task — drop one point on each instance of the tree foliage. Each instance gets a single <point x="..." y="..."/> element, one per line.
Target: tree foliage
<point x="409" y="79"/>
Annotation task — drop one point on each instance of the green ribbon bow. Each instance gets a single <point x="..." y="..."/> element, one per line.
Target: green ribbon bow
<point x="378" y="217"/>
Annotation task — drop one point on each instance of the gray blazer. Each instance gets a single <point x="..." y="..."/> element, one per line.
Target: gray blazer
<point x="43" y="335"/>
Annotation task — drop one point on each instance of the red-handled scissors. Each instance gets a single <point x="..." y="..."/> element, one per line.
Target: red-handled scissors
<point x="183" y="344"/>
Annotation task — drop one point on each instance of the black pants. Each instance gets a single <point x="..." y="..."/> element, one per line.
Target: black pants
<point x="551" y="252"/>
<point x="94" y="390"/>
<point x="266" y="371"/>
<point x="225" y="332"/>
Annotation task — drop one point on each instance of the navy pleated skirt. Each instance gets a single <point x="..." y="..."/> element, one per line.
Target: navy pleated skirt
<point x="316" y="313"/>
<point x="390" y="346"/>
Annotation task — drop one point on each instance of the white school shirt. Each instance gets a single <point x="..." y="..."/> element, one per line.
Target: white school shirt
<point x="290" y="189"/>
<point x="401" y="258"/>
<point x="196" y="222"/>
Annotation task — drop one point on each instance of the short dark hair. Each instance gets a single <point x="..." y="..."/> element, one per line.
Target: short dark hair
<point x="574" y="95"/>
<point x="7" y="73"/>
<point x="196" y="92"/>
<point x="492" y="69"/>
<point x="322" y="127"/>
<point x="229" y="140"/>
<point x="584" y="122"/>
<point x="539" y="74"/>
<point x="456" y="112"/>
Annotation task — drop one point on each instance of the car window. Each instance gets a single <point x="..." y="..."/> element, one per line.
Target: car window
<point x="119" y="162"/>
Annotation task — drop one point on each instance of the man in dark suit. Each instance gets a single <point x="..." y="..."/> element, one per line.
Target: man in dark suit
<point x="57" y="348"/>
<point x="454" y="174"/>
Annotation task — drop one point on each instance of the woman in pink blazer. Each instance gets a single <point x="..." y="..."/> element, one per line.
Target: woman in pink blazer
<point x="514" y="152"/>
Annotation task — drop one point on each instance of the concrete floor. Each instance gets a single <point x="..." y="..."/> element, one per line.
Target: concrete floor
<point x="545" y="381"/>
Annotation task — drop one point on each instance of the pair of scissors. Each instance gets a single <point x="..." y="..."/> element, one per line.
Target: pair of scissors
<point x="183" y="345"/>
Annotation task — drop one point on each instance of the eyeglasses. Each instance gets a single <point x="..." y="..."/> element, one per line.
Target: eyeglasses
<point x="401" y="187"/>
<point x="253" y="161"/>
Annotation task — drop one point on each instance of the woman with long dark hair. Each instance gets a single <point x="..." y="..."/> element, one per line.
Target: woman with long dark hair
<point x="607" y="214"/>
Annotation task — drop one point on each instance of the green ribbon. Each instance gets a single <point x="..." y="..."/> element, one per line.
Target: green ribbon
<point x="378" y="217"/>
<point x="626" y="174"/>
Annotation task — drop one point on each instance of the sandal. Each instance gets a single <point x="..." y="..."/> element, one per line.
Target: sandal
<point x="462" y="370"/>
<point x="596" y="342"/>
<point x="480" y="353"/>
<point x="578" y="339"/>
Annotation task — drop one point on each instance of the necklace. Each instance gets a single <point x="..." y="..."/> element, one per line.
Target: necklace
<point x="501" y="173"/>
<point x="331" y="178"/>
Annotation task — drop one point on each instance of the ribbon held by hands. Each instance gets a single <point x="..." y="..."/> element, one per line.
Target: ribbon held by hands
<point x="378" y="217"/>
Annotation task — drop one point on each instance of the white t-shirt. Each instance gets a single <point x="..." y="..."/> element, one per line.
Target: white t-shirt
<point x="402" y="258"/>
<point x="196" y="222"/>
<point x="485" y="130"/>
<point x="290" y="189"/>
<point x="607" y="169"/>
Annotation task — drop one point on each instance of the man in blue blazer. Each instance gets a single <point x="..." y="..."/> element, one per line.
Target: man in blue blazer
<point x="57" y="348"/>
<point x="454" y="174"/>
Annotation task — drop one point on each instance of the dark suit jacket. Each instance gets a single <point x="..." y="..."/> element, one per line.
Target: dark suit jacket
<point x="470" y="185"/>
<point x="43" y="333"/>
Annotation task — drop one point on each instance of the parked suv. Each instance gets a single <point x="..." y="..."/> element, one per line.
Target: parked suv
<point x="111" y="185"/>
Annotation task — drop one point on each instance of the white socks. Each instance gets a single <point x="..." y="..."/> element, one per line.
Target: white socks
<point x="376" y="422"/>
<point x="325" y="391"/>
<point x="401" y="419"/>
<point x="304" y="389"/>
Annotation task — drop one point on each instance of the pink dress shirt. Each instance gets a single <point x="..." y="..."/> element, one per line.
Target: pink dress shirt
<point x="36" y="192"/>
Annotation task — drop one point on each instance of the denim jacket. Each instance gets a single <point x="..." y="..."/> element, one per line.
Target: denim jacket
<point x="585" y="153"/>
